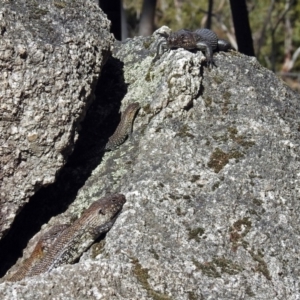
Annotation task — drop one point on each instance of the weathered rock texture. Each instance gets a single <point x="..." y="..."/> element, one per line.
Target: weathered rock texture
<point x="211" y="177"/>
<point x="51" y="54"/>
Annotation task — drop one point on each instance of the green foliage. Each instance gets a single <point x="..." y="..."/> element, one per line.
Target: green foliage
<point x="276" y="29"/>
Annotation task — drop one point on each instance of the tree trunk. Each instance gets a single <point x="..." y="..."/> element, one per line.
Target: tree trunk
<point x="242" y="27"/>
<point x="113" y="10"/>
<point x="147" y="18"/>
<point x="209" y="14"/>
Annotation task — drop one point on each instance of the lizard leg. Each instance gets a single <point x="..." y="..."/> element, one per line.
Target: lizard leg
<point x="205" y="47"/>
<point x="162" y="47"/>
<point x="97" y="231"/>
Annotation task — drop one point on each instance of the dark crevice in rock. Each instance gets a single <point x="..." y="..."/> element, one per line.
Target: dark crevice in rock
<point x="101" y="120"/>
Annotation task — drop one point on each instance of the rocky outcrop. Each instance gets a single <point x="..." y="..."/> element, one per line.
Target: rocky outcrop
<point x="51" y="55"/>
<point x="211" y="177"/>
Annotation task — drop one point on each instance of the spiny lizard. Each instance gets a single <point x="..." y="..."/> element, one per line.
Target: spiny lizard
<point x="202" y="39"/>
<point x="124" y="128"/>
<point x="64" y="244"/>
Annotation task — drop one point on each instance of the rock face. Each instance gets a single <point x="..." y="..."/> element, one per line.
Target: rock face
<point x="211" y="176"/>
<point x="51" y="54"/>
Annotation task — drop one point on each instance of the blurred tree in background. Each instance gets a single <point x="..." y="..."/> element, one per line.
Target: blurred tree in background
<point x="242" y="28"/>
<point x="275" y="25"/>
<point x="146" y="24"/>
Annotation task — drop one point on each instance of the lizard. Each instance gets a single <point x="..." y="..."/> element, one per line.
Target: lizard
<point x="124" y="128"/>
<point x="118" y="137"/>
<point x="203" y="39"/>
<point x="64" y="244"/>
<point x="39" y="251"/>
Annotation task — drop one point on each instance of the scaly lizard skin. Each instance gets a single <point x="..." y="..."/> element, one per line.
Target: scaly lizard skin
<point x="202" y="39"/>
<point x="124" y="128"/>
<point x="69" y="243"/>
<point x="39" y="251"/>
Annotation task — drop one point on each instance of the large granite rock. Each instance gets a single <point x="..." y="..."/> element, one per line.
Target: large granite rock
<point x="51" y="55"/>
<point x="211" y="176"/>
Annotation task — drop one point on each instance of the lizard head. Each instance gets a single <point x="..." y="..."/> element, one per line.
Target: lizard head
<point x="104" y="209"/>
<point x="110" y="205"/>
<point x="180" y="39"/>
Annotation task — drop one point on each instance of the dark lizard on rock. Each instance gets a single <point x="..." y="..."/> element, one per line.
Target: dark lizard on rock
<point x="124" y="128"/>
<point x="64" y="244"/>
<point x="201" y="39"/>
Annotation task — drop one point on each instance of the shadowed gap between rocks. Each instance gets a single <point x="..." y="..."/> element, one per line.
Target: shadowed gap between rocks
<point x="55" y="199"/>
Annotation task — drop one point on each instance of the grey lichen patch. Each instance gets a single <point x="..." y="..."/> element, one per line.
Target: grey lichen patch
<point x="242" y="222"/>
<point x="59" y="4"/>
<point x="184" y="132"/>
<point x="220" y="138"/>
<point x="174" y="197"/>
<point x="36" y="12"/>
<point x="208" y="268"/>
<point x="208" y="101"/>
<point x="226" y="96"/>
<point x="156" y="256"/>
<point x="192" y="296"/>
<point x="235" y="154"/>
<point x="147" y="108"/>
<point x="238" y="231"/>
<point x="97" y="248"/>
<point x="244" y="143"/>
<point x="227" y="266"/>
<point x="142" y="276"/>
<point x="257" y="202"/>
<point x="249" y="292"/>
<point x="219" y="159"/>
<point x="218" y="79"/>
<point x="195" y="178"/>
<point x="232" y="131"/>
<point x="262" y="266"/>
<point x="252" y="175"/>
<point x="148" y="77"/>
<point x="253" y="212"/>
<point x="179" y="212"/>
<point x="217" y="266"/>
<point x="233" y="52"/>
<point x="241" y="140"/>
<point x="195" y="234"/>
<point x="215" y="186"/>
